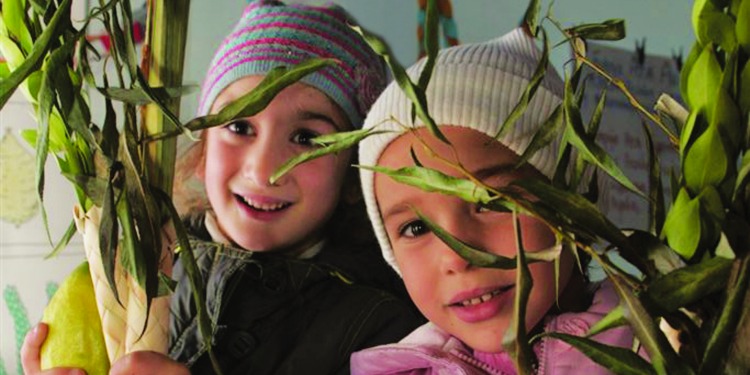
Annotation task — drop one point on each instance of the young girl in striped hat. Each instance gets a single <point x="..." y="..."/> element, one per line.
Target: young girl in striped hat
<point x="292" y="286"/>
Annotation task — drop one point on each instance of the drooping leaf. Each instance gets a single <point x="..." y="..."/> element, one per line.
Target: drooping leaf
<point x="528" y="93"/>
<point x="587" y="148"/>
<point x="613" y="29"/>
<point x="577" y="209"/>
<point x="619" y="360"/>
<point x="687" y="285"/>
<point x="515" y="339"/>
<point x="138" y="96"/>
<point x="726" y="327"/>
<point x="34" y="60"/>
<point x="256" y="100"/>
<point x="662" y="356"/>
<point x="531" y="16"/>
<point x="431" y="44"/>
<point x="431" y="180"/>
<point x="614" y="318"/>
<point x="412" y="91"/>
<point x="64" y="240"/>
<point x="656" y="204"/>
<point x="548" y="132"/>
<point x="331" y="144"/>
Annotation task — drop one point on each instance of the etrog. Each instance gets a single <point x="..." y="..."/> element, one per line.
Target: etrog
<point x="75" y="336"/>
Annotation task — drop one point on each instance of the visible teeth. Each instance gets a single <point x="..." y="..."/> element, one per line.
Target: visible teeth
<point x="483" y="298"/>
<point x="265" y="206"/>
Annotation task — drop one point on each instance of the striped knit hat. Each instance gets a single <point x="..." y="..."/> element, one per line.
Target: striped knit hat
<point x="473" y="86"/>
<point x="271" y="34"/>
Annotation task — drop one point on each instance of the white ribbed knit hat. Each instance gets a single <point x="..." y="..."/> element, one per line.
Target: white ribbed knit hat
<point x="473" y="86"/>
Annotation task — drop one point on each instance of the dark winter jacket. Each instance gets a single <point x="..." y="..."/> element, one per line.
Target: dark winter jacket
<point x="275" y="315"/>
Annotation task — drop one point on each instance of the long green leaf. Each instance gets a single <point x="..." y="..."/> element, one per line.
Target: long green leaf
<point x="688" y="285"/>
<point x="431" y="44"/>
<point x="726" y="327"/>
<point x="435" y="181"/>
<point x="412" y="91"/>
<point x="515" y="339"/>
<point x="32" y="63"/>
<point x="613" y="29"/>
<point x="656" y="204"/>
<point x="618" y="360"/>
<point x="663" y="358"/>
<point x="332" y="143"/>
<point x="528" y="93"/>
<point x="547" y="133"/>
<point x="531" y="16"/>
<point x="256" y="100"/>
<point x="14" y="15"/>
<point x="588" y="149"/>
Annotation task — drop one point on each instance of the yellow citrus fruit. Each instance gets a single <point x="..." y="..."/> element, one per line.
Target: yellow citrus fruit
<point x="75" y="336"/>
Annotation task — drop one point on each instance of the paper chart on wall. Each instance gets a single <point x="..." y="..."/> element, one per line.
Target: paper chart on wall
<point x="621" y="132"/>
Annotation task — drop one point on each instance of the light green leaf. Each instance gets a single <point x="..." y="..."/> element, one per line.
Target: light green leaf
<point x="431" y="180"/>
<point x="712" y="25"/>
<point x="412" y="91"/>
<point x="587" y="148"/>
<point x="703" y="80"/>
<point x="615" y="318"/>
<point x="431" y="44"/>
<point x="615" y="359"/>
<point x="682" y="227"/>
<point x="256" y="100"/>
<point x="515" y="339"/>
<point x="331" y="144"/>
<point x="138" y="96"/>
<point x="528" y="93"/>
<point x="14" y="16"/>
<point x="548" y="132"/>
<point x="707" y="150"/>
<point x="57" y="24"/>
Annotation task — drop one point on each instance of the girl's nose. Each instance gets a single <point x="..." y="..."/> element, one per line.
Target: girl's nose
<point x="264" y="158"/>
<point x="450" y="261"/>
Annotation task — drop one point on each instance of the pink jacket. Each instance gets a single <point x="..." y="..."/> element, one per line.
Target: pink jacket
<point x="431" y="351"/>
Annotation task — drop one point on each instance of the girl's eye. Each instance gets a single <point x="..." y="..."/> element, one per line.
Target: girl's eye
<point x="239" y="127"/>
<point x="304" y="137"/>
<point x="413" y="229"/>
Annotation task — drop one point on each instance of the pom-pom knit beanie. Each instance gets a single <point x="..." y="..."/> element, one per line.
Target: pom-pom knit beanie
<point x="271" y="34"/>
<point x="474" y="86"/>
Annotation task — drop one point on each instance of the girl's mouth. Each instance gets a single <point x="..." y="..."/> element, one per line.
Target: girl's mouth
<point x="482" y="298"/>
<point x="267" y="206"/>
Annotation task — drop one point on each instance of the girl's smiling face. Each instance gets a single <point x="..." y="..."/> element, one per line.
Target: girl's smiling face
<point x="474" y="304"/>
<point x="241" y="156"/>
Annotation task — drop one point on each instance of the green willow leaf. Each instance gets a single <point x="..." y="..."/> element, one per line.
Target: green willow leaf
<point x="663" y="358"/>
<point x="579" y="211"/>
<point x="197" y="287"/>
<point x="613" y="29"/>
<point x="108" y="226"/>
<point x="531" y="16"/>
<point x="431" y="44"/>
<point x="482" y="258"/>
<point x="687" y="285"/>
<point x="724" y="332"/>
<point x="64" y="240"/>
<point x="412" y="91"/>
<point x="431" y="180"/>
<point x="614" y="318"/>
<point x="547" y="133"/>
<point x="587" y="148"/>
<point x="515" y="339"/>
<point x="331" y="144"/>
<point x="619" y="360"/>
<point x="656" y="204"/>
<point x="33" y="62"/>
<point x="138" y="96"/>
<point x="256" y="100"/>
<point x="94" y="187"/>
<point x="528" y="93"/>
